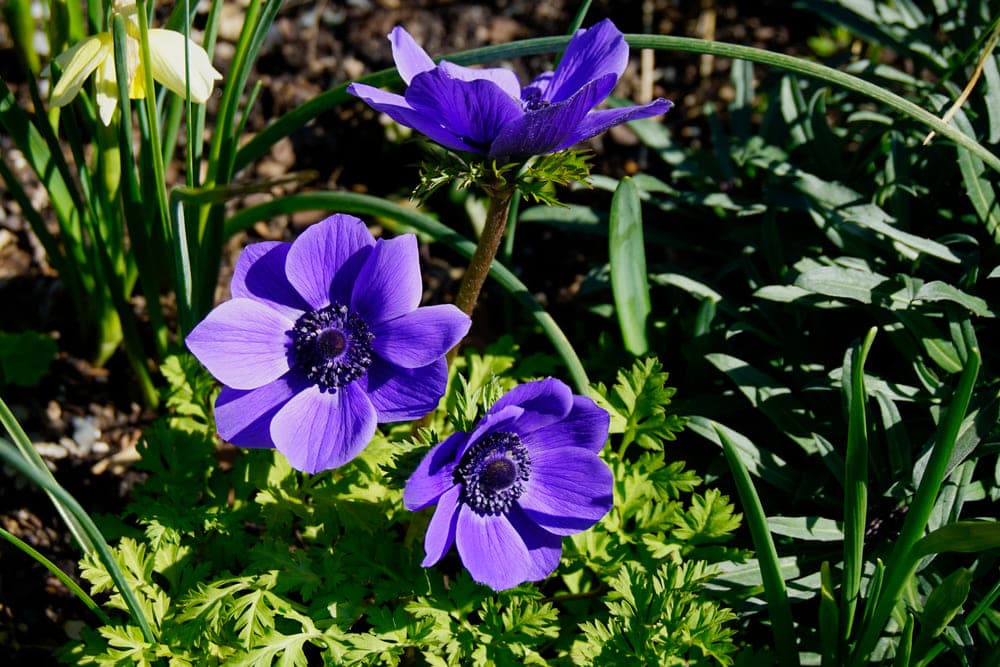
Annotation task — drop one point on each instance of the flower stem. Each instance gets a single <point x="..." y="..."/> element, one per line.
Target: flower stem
<point x="486" y="249"/>
<point x="482" y="259"/>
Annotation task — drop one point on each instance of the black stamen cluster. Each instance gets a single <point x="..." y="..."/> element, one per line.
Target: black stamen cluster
<point x="493" y="473"/>
<point x="332" y="346"/>
<point x="532" y="99"/>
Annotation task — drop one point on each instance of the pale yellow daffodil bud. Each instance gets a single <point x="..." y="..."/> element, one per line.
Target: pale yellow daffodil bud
<point x="95" y="55"/>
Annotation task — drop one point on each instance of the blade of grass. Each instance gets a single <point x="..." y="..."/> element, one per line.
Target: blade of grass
<point x="855" y="485"/>
<point x="59" y="574"/>
<point x="775" y="592"/>
<point x="627" y="255"/>
<point x="301" y="115"/>
<point x="901" y="561"/>
<point x="115" y="280"/>
<point x="223" y="148"/>
<point x="23" y="444"/>
<point x="51" y="171"/>
<point x="152" y="148"/>
<point x="11" y="457"/>
<point x="829" y="618"/>
<point x="905" y="647"/>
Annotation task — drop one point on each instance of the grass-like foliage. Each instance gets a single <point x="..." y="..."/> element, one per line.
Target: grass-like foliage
<point x="244" y="561"/>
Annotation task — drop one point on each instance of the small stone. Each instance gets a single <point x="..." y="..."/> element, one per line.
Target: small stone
<point x="51" y="450"/>
<point x="85" y="432"/>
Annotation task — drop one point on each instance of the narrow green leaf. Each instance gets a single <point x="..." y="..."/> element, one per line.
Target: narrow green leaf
<point x="778" y="607"/>
<point x="838" y="282"/>
<point x="31" y="456"/>
<point x="961" y="537"/>
<point x="21" y="24"/>
<point x="825" y="146"/>
<point x="687" y="284"/>
<point x="793" y="109"/>
<point x="50" y="167"/>
<point x="938" y="348"/>
<point x="572" y="216"/>
<point x="627" y="254"/>
<point x="936" y="290"/>
<point x="748" y="574"/>
<point x="100" y="547"/>
<point x="829" y="618"/>
<point x="811" y="528"/>
<point x="905" y="647"/>
<point x="761" y="463"/>
<point x="66" y="580"/>
<point x="944" y="602"/>
<point x="978" y="185"/>
<point x="855" y="484"/>
<point x="897" y="445"/>
<point x="902" y="560"/>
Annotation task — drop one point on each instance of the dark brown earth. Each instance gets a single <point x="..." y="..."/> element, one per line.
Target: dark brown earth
<point x="87" y="421"/>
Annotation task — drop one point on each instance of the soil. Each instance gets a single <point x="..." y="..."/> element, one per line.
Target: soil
<point x="86" y="421"/>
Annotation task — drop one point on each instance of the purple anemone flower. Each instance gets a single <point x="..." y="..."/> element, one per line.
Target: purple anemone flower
<point x="322" y="340"/>
<point x="487" y="111"/>
<point x="508" y="491"/>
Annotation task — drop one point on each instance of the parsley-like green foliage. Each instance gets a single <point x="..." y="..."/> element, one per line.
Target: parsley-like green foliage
<point x="240" y="560"/>
<point x="638" y="405"/>
<point x="659" y="618"/>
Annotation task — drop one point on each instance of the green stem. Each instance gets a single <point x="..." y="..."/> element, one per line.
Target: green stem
<point x="59" y="574"/>
<point x="301" y="115"/>
<point x="855" y="486"/>
<point x="30" y="454"/>
<point x="486" y="249"/>
<point x="778" y="607"/>
<point x="155" y="148"/>
<point x="11" y="458"/>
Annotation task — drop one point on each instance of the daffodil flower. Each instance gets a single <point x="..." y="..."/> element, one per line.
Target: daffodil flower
<point x="97" y="54"/>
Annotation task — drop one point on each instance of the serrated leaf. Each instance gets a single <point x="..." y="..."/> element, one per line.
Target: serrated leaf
<point x="637" y="404"/>
<point x="709" y="518"/>
<point x="286" y="649"/>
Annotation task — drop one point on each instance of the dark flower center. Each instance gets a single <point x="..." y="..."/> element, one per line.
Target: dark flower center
<point x="332" y="346"/>
<point x="532" y="98"/>
<point x="493" y="473"/>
